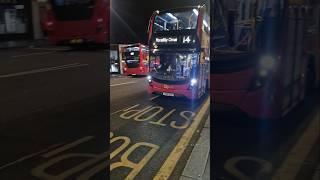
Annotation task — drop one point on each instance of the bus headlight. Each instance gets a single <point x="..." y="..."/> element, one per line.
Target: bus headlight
<point x="267" y="63"/>
<point x="149" y="78"/>
<point x="193" y="82"/>
<point x="49" y="23"/>
<point x="99" y="20"/>
<point x="264" y="72"/>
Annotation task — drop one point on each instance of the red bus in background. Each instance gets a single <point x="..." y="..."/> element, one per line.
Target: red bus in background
<point x="77" y="21"/>
<point x="312" y="46"/>
<point x="135" y="59"/>
<point x="264" y="73"/>
<point x="179" y="42"/>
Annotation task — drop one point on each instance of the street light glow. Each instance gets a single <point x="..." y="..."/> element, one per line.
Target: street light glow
<point x="195" y="12"/>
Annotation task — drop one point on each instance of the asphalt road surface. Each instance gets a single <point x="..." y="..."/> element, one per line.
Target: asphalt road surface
<point x="244" y="148"/>
<point x="147" y="130"/>
<point x="53" y="118"/>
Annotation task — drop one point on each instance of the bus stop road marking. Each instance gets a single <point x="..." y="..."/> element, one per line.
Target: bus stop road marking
<point x="124" y="109"/>
<point x="171" y="161"/>
<point x="30" y="156"/>
<point x="292" y="163"/>
<point x="41" y="70"/>
<point x="120" y="84"/>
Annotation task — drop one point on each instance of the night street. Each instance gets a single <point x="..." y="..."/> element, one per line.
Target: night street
<point x="148" y="128"/>
<point x="160" y="90"/>
<point x="53" y="101"/>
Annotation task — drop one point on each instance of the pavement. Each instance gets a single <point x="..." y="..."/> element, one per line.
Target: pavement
<point x="316" y="175"/>
<point x="198" y="164"/>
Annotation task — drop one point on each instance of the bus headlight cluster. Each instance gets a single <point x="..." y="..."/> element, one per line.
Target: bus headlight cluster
<point x="193" y="82"/>
<point x="267" y="63"/>
<point x="100" y="20"/>
<point x="149" y="78"/>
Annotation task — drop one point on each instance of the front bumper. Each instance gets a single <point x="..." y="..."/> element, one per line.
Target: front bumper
<point x="255" y="104"/>
<point x="178" y="90"/>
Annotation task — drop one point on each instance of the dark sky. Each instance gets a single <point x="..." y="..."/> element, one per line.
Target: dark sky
<point x="129" y="18"/>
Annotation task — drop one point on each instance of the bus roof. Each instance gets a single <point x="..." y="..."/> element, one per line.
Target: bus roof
<point x="134" y="44"/>
<point x="180" y="9"/>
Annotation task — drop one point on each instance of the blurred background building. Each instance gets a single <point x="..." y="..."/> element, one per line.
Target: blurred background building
<point x="20" y="19"/>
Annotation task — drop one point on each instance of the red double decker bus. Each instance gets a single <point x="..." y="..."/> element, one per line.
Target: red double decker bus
<point x="77" y="21"/>
<point x="179" y="42"/>
<point x="135" y="58"/>
<point x="264" y="73"/>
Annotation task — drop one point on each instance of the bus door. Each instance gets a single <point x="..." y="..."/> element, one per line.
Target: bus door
<point x="292" y="64"/>
<point x="122" y="64"/>
<point x="114" y="59"/>
<point x="144" y="58"/>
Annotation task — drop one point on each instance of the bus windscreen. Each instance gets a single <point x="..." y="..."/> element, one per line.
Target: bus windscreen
<point x="174" y="67"/>
<point x="73" y="10"/>
<point x="131" y="59"/>
<point x="72" y="2"/>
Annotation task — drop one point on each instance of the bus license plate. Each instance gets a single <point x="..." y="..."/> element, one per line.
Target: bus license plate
<point x="168" y="94"/>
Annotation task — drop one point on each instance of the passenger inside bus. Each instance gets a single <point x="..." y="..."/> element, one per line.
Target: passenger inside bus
<point x="175" y="66"/>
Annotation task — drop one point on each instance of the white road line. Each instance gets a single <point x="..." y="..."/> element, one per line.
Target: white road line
<point x="31" y="54"/>
<point x="154" y="97"/>
<point x="52" y="49"/>
<point x="113" y="85"/>
<point x="116" y="112"/>
<point x="68" y="146"/>
<point x="29" y="156"/>
<point x="54" y="68"/>
<point x="295" y="158"/>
